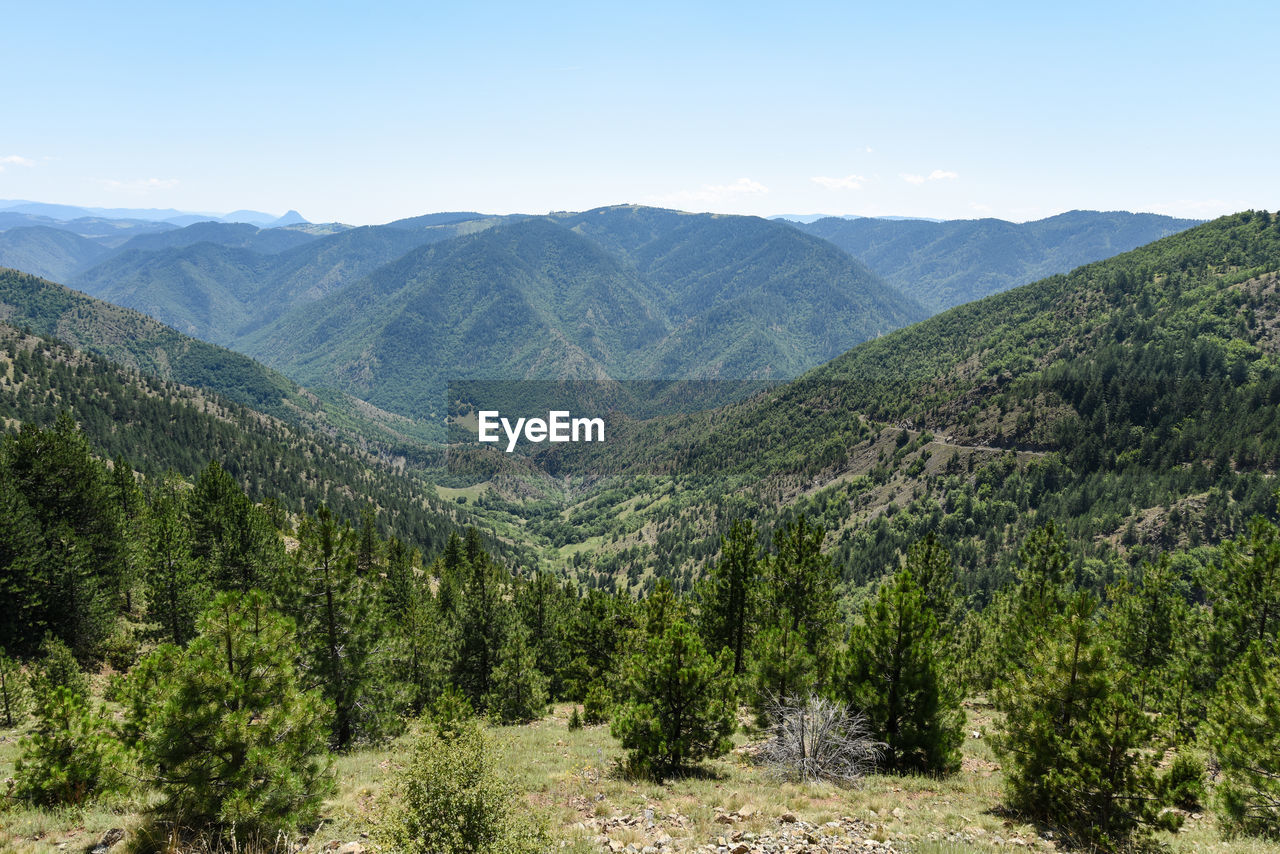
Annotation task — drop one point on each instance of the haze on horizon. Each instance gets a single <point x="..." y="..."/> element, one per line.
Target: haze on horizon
<point x="366" y="115"/>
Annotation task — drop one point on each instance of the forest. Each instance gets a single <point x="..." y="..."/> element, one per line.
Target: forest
<point x="1029" y="561"/>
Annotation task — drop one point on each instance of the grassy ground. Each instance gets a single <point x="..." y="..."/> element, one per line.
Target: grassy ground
<point x="572" y="778"/>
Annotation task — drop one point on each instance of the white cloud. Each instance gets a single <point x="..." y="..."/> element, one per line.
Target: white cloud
<point x="140" y="186"/>
<point x="712" y="193"/>
<point x="935" y="175"/>
<point x="974" y="206"/>
<point x="15" y="160"/>
<point x="848" y="182"/>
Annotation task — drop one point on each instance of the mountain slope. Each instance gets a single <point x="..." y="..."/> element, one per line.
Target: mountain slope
<point x="218" y="281"/>
<point x="48" y="252"/>
<point x="141" y="343"/>
<point x="745" y="297"/>
<point x="1133" y="402"/>
<point x="943" y="264"/>
<point x="611" y="294"/>
<point x="524" y="300"/>
<point x="159" y="425"/>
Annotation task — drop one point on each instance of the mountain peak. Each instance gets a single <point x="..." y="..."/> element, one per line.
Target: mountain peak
<point x="291" y="218"/>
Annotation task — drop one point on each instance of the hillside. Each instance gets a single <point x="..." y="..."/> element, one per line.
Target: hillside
<point x="943" y="264"/>
<point x="1132" y="401"/>
<point x="138" y="342"/>
<point x="49" y="252"/>
<point x="218" y="281"/>
<point x="159" y="425"/>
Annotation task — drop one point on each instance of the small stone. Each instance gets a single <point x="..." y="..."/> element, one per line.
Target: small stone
<point x="351" y="848"/>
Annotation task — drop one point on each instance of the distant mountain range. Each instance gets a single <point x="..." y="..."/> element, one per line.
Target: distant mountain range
<point x="946" y="263"/>
<point x="67" y="213"/>
<point x="392" y="313"/>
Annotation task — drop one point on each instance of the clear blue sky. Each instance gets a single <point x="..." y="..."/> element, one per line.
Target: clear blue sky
<point x="368" y="112"/>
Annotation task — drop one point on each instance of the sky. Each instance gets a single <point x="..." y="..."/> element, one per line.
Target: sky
<point x="365" y="113"/>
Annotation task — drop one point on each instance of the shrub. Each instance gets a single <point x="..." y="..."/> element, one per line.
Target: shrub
<point x="818" y="740"/>
<point x="451" y="797"/>
<point x="575" y="720"/>
<point x="1183" y="784"/>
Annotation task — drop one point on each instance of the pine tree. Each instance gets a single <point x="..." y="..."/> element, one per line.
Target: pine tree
<point x="542" y="606"/>
<point x="482" y="622"/>
<point x="334" y="610"/>
<point x="13" y="695"/>
<point x="677" y="703"/>
<point x="235" y="538"/>
<point x="1244" y="734"/>
<point x="801" y="585"/>
<point x="369" y="549"/>
<point x="1243" y="590"/>
<point x="897" y="677"/>
<point x="519" y="690"/>
<point x="70" y="756"/>
<point x="233" y="741"/>
<point x="177" y="590"/>
<point x="728" y="600"/>
<point x="68" y="496"/>
<point x="1077" y="748"/>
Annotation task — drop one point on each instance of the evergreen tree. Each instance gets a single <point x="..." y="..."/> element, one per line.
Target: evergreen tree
<point x="25" y="570"/>
<point x="897" y="677"/>
<point x="334" y="610"/>
<point x="728" y="599"/>
<point x="234" y="538"/>
<point x="69" y="499"/>
<point x="370" y="548"/>
<point x="482" y="622"/>
<point x="543" y="607"/>
<point x="234" y="742"/>
<point x="1145" y="621"/>
<point x="1077" y="747"/>
<point x="176" y="588"/>
<point x="13" y="696"/>
<point x="519" y="692"/>
<point x="1244" y="734"/>
<point x="676" y="703"/>
<point x="1243" y="590"/>
<point x="70" y="756"/>
<point x="801" y="585"/>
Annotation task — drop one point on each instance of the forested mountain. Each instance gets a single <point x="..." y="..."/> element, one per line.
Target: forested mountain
<point x="614" y="293"/>
<point x="1133" y="402"/>
<point x="139" y="342"/>
<point x="158" y="425"/>
<point x="942" y="264"/>
<point x="218" y="281"/>
<point x="267" y="241"/>
<point x="49" y="252"/>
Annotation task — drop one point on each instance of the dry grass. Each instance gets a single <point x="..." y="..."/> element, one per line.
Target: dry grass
<point x="572" y="777"/>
